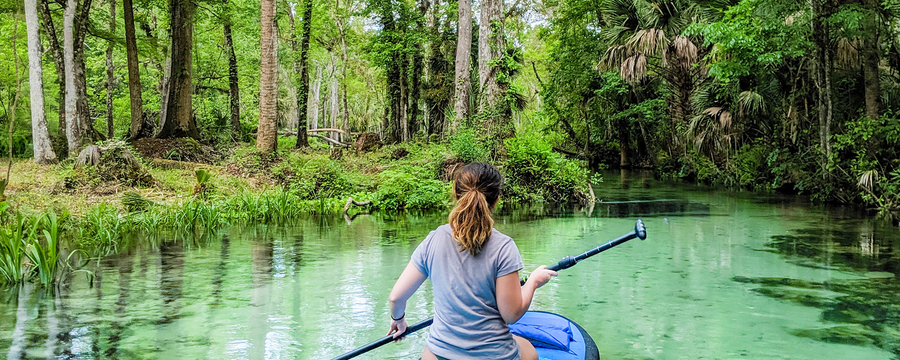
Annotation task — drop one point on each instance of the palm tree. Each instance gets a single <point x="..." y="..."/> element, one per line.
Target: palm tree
<point x="266" y="137"/>
<point x="645" y="38"/>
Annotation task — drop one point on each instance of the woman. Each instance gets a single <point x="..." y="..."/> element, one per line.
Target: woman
<point x="475" y="273"/>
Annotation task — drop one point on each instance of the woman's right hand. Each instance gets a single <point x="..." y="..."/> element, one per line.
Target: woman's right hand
<point x="541" y="276"/>
<point x="398" y="329"/>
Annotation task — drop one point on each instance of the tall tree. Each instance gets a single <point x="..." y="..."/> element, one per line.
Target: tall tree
<point x="340" y="25"/>
<point x="303" y="88"/>
<point x="58" y="60"/>
<point x="43" y="152"/>
<point x="491" y="46"/>
<point x="73" y="118"/>
<point x="176" y="112"/>
<point x="821" y="63"/>
<point x="491" y="50"/>
<point x="234" y="93"/>
<point x="266" y="136"/>
<point x="78" y="125"/>
<point x="140" y="125"/>
<point x="110" y="71"/>
<point x="463" y="57"/>
<point x="870" y="55"/>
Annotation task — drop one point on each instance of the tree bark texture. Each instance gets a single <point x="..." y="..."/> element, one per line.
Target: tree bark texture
<point x="491" y="44"/>
<point x="871" y="59"/>
<point x="316" y="95"/>
<point x="267" y="135"/>
<point x="59" y="61"/>
<point x="110" y="72"/>
<point x="43" y="151"/>
<point x="303" y="88"/>
<point x="821" y="63"/>
<point x="344" y="65"/>
<point x="234" y="92"/>
<point x="72" y="115"/>
<point x="141" y="127"/>
<point x="462" y="79"/>
<point x="176" y="113"/>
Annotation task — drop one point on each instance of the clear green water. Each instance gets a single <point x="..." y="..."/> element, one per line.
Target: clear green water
<point x="721" y="276"/>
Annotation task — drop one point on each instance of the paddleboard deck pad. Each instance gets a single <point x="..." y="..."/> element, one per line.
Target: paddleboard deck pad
<point x="555" y="337"/>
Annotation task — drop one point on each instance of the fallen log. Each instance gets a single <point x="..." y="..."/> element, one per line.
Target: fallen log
<point x="350" y="201"/>
<point x="333" y="141"/>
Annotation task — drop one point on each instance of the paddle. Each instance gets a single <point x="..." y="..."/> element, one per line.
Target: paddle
<point x="567" y="262"/>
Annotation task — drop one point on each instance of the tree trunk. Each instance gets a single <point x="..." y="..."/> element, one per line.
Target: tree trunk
<point x="316" y="95"/>
<point x="462" y="79"/>
<point x="491" y="46"/>
<point x="176" y="112"/>
<point x="404" y="98"/>
<point x="303" y="67"/>
<point x="871" y="58"/>
<point x="234" y="94"/>
<point x="822" y="70"/>
<point x="335" y="107"/>
<point x="110" y="72"/>
<point x="344" y="57"/>
<point x="72" y="115"/>
<point x="43" y="151"/>
<point x="491" y="49"/>
<point x="140" y="127"/>
<point x="81" y="22"/>
<point x="267" y="135"/>
<point x="59" y="61"/>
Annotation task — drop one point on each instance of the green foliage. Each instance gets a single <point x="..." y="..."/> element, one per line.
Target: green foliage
<point x="135" y="202"/>
<point x="12" y="246"/>
<point x="314" y="178"/>
<point x="754" y="35"/>
<point x="203" y="187"/>
<point x="469" y="147"/>
<point x="535" y="172"/>
<point x="407" y="188"/>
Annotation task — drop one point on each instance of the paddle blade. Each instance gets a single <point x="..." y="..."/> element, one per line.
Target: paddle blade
<point x="640" y="230"/>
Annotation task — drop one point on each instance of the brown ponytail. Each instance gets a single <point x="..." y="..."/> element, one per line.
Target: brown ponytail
<point x="476" y="189"/>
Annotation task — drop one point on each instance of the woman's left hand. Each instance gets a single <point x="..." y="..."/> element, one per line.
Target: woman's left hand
<point x="398" y="328"/>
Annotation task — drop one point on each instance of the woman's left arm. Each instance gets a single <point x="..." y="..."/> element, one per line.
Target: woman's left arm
<point x="406" y="285"/>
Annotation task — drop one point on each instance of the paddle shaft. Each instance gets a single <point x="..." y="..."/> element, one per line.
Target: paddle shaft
<point x="365" y="348"/>
<point x="567" y="262"/>
<point x="570" y="261"/>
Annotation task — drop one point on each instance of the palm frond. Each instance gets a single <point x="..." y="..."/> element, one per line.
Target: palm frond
<point x="685" y="50"/>
<point x="848" y="52"/>
<point x="751" y="103"/>
<point x="649" y="41"/>
<point x="634" y="68"/>
<point x="867" y="179"/>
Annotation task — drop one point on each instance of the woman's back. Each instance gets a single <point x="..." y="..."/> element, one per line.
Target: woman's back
<point x="467" y="322"/>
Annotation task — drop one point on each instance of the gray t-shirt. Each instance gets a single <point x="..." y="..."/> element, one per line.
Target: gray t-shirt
<point x="467" y="322"/>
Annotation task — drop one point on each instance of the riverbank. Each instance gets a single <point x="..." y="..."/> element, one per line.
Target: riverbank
<point x="91" y="214"/>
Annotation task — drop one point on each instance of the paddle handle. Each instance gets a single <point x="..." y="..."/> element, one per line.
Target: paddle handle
<point x="365" y="348"/>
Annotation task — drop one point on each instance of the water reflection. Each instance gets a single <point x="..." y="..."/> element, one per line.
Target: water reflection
<point x="721" y="276"/>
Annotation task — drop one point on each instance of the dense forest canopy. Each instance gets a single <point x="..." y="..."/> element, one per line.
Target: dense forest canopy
<point x="799" y="96"/>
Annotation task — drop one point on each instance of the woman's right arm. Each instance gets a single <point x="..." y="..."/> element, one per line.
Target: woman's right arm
<point x="406" y="285"/>
<point x="513" y="299"/>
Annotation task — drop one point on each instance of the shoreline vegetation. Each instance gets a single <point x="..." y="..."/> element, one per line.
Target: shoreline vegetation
<point x="69" y="214"/>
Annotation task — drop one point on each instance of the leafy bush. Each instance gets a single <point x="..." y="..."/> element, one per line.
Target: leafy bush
<point x="410" y="187"/>
<point x="535" y="172"/>
<point x="469" y="148"/>
<point x="316" y="178"/>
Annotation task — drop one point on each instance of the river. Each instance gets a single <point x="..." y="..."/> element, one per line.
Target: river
<point x="722" y="275"/>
